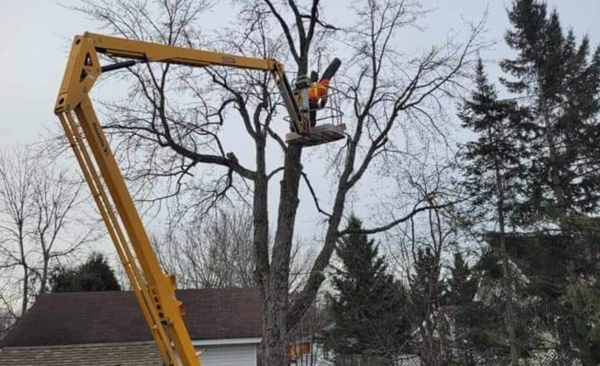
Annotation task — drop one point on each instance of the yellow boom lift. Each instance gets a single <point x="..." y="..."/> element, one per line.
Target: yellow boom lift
<point x="154" y="289"/>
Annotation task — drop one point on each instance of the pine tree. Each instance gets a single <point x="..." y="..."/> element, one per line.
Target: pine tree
<point x="93" y="275"/>
<point x="368" y="309"/>
<point x="494" y="170"/>
<point x="462" y="284"/>
<point x="496" y="158"/>
<point x="426" y="285"/>
<point x="561" y="80"/>
<point x="426" y="289"/>
<point x="470" y="319"/>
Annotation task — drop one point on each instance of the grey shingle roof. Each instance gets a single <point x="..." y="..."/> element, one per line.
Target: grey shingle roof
<point x="112" y="317"/>
<point x="107" y="354"/>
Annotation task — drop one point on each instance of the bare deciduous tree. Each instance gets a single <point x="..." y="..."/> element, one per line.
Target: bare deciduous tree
<point x="212" y="253"/>
<point x="40" y="224"/>
<point x="424" y="241"/>
<point x="215" y="251"/>
<point x="174" y="121"/>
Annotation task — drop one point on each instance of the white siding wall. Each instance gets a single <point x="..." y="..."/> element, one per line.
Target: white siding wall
<point x="233" y="355"/>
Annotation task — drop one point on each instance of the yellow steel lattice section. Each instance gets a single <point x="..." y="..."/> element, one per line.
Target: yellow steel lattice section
<point x="155" y="294"/>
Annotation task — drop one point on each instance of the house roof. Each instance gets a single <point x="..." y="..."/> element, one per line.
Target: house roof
<point x="104" y="354"/>
<point x="545" y="258"/>
<point x="114" y="316"/>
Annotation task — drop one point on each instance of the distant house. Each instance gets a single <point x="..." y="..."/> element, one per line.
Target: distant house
<point x="546" y="259"/>
<point x="108" y="329"/>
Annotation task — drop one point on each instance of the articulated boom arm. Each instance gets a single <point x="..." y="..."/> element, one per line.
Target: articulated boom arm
<point x="84" y="58"/>
<point x="154" y="290"/>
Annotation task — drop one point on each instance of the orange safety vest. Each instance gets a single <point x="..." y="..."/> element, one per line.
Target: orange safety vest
<point x="318" y="90"/>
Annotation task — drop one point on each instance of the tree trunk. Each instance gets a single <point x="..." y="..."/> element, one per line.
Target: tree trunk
<point x="45" y="268"/>
<point x="508" y="284"/>
<point x="509" y="289"/>
<point x="579" y="328"/>
<point x="275" y="284"/>
<point x="274" y="344"/>
<point x="25" y="301"/>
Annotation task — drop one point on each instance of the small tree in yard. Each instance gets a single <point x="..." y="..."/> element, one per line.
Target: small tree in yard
<point x="423" y="246"/>
<point x="468" y="318"/>
<point x="369" y="310"/>
<point x="93" y="275"/>
<point x="426" y="289"/>
<point x="42" y="221"/>
<point x="462" y="284"/>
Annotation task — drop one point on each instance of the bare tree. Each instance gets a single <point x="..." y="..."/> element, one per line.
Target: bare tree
<point x="306" y="340"/>
<point x="8" y="299"/>
<point x="40" y="224"/>
<point x="173" y="122"/>
<point x="214" y="252"/>
<point x="418" y="249"/>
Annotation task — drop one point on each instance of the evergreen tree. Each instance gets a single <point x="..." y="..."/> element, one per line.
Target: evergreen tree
<point x="494" y="163"/>
<point x="475" y="323"/>
<point x="426" y="289"/>
<point x="561" y="80"/>
<point x="462" y="284"/>
<point x="426" y="286"/>
<point x="93" y="275"/>
<point x="369" y="309"/>
<point x="495" y="172"/>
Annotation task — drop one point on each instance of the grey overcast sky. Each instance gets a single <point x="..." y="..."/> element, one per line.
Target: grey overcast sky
<point x="36" y="35"/>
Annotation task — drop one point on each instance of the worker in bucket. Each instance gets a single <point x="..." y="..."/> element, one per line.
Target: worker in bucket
<point x="318" y="89"/>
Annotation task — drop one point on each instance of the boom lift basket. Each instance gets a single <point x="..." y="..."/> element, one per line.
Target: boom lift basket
<point x="328" y="127"/>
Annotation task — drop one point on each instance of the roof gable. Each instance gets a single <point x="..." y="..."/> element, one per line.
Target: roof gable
<point x="112" y="317"/>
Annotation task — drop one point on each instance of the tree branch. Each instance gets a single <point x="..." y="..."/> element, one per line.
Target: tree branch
<point x="314" y="195"/>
